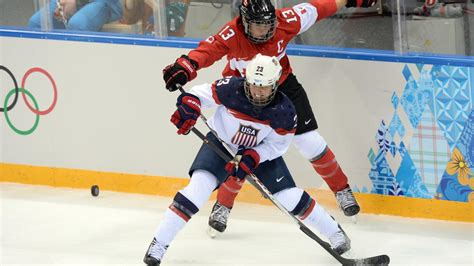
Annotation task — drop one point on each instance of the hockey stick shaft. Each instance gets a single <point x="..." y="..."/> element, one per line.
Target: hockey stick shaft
<point x="255" y="181"/>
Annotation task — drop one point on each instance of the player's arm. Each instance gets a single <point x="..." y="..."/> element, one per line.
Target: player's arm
<point x="301" y="17"/>
<point x="207" y="94"/>
<point x="185" y="68"/>
<point x="189" y="104"/>
<point x="275" y="145"/>
<point x="214" y="47"/>
<point x="327" y="8"/>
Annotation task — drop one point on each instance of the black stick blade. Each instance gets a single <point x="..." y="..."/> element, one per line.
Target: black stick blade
<point x="381" y="260"/>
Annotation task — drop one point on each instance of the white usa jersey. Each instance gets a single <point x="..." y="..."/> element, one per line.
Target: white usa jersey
<point x="269" y="131"/>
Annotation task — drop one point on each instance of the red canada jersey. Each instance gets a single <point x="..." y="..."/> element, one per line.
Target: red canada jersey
<point x="232" y="42"/>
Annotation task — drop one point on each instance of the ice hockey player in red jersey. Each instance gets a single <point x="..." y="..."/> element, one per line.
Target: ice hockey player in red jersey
<point x="261" y="28"/>
<point x="257" y="121"/>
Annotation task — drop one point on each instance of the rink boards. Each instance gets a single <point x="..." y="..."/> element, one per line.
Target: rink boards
<point x="106" y="122"/>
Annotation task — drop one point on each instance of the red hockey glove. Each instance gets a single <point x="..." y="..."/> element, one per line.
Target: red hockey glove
<point x="249" y="161"/>
<point x="189" y="109"/>
<point x="180" y="72"/>
<point x="361" y="3"/>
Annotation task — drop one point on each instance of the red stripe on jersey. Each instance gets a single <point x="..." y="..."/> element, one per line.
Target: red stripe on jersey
<point x="282" y="131"/>
<point x="250" y="141"/>
<point x="239" y="138"/>
<point x="254" y="142"/>
<point x="214" y="93"/>
<point x="245" y="140"/>
<point x="243" y="116"/>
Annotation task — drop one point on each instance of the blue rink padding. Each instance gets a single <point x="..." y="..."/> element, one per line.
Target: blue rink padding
<point x="296" y="50"/>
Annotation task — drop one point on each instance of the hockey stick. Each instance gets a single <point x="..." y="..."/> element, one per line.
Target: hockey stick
<point x="253" y="179"/>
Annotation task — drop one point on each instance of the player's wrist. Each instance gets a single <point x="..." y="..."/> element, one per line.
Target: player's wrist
<point x="188" y="65"/>
<point x="253" y="156"/>
<point x="191" y="101"/>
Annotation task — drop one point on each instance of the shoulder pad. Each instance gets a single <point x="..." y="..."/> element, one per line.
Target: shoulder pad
<point x="282" y="113"/>
<point x="230" y="93"/>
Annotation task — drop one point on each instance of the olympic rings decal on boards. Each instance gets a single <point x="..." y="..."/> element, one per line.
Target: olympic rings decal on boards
<point x="6" y="108"/>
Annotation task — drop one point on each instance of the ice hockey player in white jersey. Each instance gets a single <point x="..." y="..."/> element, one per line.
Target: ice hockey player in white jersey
<point x="256" y="121"/>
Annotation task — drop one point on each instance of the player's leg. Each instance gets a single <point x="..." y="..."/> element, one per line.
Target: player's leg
<point x="186" y="203"/>
<point x="207" y="172"/>
<point x="315" y="149"/>
<point x="299" y="203"/>
<point x="278" y="180"/>
<point x="226" y="195"/>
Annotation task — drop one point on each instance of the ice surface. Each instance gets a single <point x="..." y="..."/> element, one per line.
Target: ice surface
<point x="46" y="225"/>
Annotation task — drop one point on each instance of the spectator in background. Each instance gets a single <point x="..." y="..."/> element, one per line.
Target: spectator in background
<point x="235" y="8"/>
<point x="135" y="11"/>
<point x="83" y="15"/>
<point x="176" y="12"/>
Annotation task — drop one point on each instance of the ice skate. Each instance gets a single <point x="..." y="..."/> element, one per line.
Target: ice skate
<point x="211" y="232"/>
<point x="218" y="217"/>
<point x="347" y="202"/>
<point x="154" y="253"/>
<point x="340" y="242"/>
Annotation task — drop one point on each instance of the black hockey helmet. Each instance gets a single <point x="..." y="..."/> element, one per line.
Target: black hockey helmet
<point x="258" y="14"/>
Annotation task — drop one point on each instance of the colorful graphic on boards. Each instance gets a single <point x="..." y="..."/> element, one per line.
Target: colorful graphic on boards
<point x="429" y="153"/>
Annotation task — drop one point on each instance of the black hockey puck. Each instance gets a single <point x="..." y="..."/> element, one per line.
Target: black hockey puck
<point x="95" y="190"/>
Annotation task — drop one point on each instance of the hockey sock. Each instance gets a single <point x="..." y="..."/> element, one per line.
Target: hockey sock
<point x="175" y="218"/>
<point x="314" y="148"/>
<point x="185" y="204"/>
<point x="317" y="217"/>
<point x="170" y="226"/>
<point x="326" y="165"/>
<point x="300" y="204"/>
<point x="229" y="190"/>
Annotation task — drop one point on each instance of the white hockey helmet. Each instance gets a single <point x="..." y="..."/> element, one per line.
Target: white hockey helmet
<point x="262" y="71"/>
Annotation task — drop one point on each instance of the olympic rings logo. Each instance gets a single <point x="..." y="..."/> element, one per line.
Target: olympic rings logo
<point x="6" y="108"/>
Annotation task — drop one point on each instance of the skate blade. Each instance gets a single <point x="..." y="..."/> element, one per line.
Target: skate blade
<point x="354" y="219"/>
<point x="211" y="232"/>
<point x="349" y="254"/>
